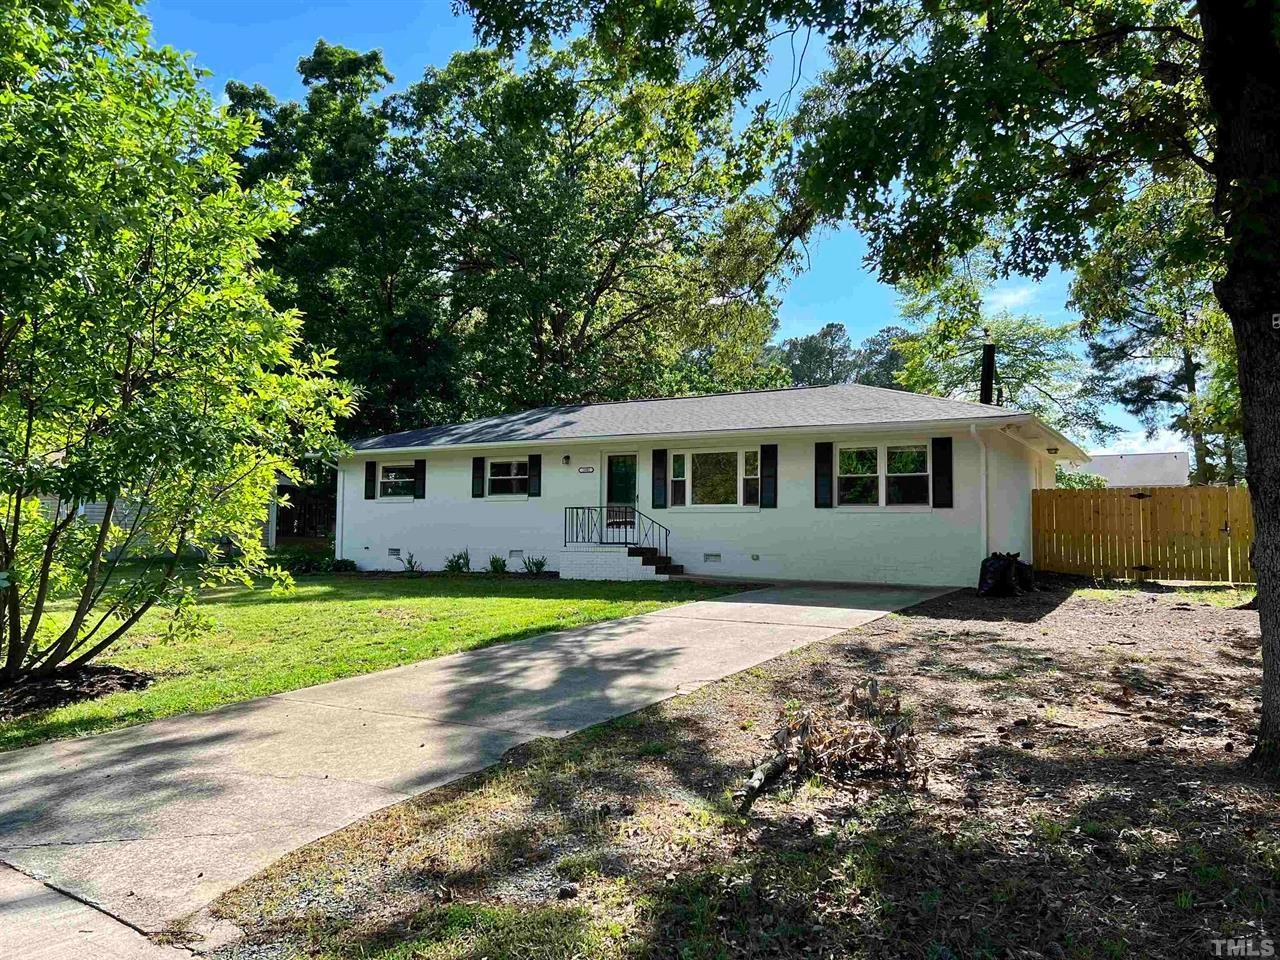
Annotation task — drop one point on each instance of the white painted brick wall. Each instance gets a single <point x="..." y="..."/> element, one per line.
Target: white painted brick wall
<point x="590" y="562"/>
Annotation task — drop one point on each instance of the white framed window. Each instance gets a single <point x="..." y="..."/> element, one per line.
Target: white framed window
<point x="751" y="478"/>
<point x="715" y="478"/>
<point x="679" y="481"/>
<point x="883" y="475"/>
<point x="395" y="480"/>
<point x="858" y="476"/>
<point x="508" y="478"/>
<point x="907" y="475"/>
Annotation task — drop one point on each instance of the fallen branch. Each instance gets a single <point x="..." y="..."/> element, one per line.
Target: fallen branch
<point x="868" y="737"/>
<point x="763" y="777"/>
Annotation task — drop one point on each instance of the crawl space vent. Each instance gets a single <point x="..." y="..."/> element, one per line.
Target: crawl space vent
<point x="711" y="558"/>
<point x="393" y="551"/>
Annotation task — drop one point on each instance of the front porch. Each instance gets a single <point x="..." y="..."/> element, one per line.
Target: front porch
<point x="615" y="543"/>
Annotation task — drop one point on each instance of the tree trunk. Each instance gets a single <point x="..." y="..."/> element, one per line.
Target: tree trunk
<point x="1229" y="460"/>
<point x="1241" y="67"/>
<point x="1202" y="472"/>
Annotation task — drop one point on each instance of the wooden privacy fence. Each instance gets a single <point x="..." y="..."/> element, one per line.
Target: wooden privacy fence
<point x="1145" y="533"/>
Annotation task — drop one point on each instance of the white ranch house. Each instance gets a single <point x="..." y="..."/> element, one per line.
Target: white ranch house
<point x="843" y="483"/>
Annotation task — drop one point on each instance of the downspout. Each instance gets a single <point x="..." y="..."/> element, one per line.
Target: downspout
<point x="982" y="501"/>
<point x="338" y="518"/>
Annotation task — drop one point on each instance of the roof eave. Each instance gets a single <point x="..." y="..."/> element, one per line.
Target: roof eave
<point x="1049" y="442"/>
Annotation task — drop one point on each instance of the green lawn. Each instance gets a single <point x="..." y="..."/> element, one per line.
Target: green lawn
<point x="331" y="627"/>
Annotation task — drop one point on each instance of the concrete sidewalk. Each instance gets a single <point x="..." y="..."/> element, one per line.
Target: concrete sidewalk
<point x="152" y="822"/>
<point x="38" y="923"/>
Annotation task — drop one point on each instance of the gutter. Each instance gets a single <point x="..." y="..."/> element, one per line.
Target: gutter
<point x="983" y="536"/>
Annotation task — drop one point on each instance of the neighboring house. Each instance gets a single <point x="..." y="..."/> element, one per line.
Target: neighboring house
<point x="1139" y="469"/>
<point x="841" y="483"/>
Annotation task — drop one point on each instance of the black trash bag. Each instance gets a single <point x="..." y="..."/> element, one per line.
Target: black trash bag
<point x="998" y="576"/>
<point x="1024" y="575"/>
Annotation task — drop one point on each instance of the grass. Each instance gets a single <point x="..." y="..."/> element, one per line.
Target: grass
<point x="329" y="627"/>
<point x="1217" y="595"/>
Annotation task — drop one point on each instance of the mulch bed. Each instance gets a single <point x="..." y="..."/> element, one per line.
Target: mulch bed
<point x="62" y="689"/>
<point x="1086" y="797"/>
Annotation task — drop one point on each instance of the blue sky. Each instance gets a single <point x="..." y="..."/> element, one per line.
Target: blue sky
<point x="260" y="41"/>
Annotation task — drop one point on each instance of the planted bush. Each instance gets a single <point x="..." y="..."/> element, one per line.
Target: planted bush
<point x="301" y="561"/>
<point x="459" y="562"/>
<point x="535" y="565"/>
<point x="497" y="564"/>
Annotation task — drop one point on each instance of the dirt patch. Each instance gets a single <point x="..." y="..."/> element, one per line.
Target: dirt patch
<point x="60" y="690"/>
<point x="1086" y="798"/>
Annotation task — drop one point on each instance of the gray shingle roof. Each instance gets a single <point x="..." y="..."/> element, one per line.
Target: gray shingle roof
<point x="838" y="406"/>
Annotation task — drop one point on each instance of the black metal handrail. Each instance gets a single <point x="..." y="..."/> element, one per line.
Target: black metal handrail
<point x="614" y="526"/>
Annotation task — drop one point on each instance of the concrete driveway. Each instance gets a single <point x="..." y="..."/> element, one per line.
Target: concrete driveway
<point x="150" y="823"/>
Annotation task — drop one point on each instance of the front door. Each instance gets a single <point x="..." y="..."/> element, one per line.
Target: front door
<point x="620" y="480"/>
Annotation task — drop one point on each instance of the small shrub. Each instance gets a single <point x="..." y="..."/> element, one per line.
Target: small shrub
<point x="497" y="564"/>
<point x="535" y="565"/>
<point x="459" y="562"/>
<point x="343" y="565"/>
<point x="299" y="560"/>
<point x="410" y="564"/>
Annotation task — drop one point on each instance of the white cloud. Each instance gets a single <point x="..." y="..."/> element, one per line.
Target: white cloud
<point x="1012" y="297"/>
<point x="1136" y="441"/>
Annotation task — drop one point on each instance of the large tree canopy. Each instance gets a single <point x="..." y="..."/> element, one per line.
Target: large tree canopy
<point x="1156" y="331"/>
<point x="938" y="117"/>
<point x="141" y="366"/>
<point x="1039" y="365"/>
<point x="496" y="238"/>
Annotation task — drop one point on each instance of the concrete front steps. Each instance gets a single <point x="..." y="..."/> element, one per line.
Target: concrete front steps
<point x="661" y="563"/>
<point x="593" y="561"/>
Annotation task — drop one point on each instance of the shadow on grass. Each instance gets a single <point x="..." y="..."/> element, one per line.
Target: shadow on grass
<point x="475" y="586"/>
<point x="958" y="606"/>
<point x="1136" y="861"/>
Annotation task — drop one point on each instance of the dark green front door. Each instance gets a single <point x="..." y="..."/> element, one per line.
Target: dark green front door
<point x="620" y="480"/>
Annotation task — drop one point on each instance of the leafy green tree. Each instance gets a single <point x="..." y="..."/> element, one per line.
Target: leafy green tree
<point x="595" y="226"/>
<point x="828" y="356"/>
<point x="141" y="366"/>
<point x="1146" y="295"/>
<point x="877" y="361"/>
<point x="938" y="117"/>
<point x="496" y="238"/>
<point x="820" y="359"/>
<point x="362" y="260"/>
<point x="1219" y="405"/>
<point x="1039" y="367"/>
<point x="1077" y="479"/>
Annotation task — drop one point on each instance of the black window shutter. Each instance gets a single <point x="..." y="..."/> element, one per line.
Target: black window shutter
<point x="477" y="476"/>
<point x="822" y="467"/>
<point x="943" y="488"/>
<point x="535" y="474"/>
<point x="419" y="479"/>
<point x="659" y="472"/>
<point x="370" y="479"/>
<point x="768" y="475"/>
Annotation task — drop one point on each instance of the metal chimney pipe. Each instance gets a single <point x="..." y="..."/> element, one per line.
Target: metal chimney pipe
<point x="986" y="387"/>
